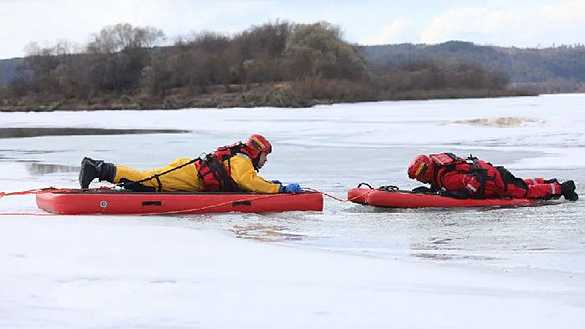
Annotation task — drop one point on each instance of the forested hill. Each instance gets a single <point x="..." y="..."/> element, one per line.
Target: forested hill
<point x="555" y="69"/>
<point x="8" y="69"/>
<point x="275" y="64"/>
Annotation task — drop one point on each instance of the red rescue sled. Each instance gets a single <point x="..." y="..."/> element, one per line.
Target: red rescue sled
<point x="407" y="199"/>
<point x="111" y="202"/>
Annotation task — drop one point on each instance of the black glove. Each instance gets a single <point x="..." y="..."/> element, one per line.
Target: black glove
<point x="422" y="189"/>
<point x="454" y="194"/>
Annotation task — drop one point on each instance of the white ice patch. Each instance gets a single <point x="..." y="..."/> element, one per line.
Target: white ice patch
<point x="501" y="122"/>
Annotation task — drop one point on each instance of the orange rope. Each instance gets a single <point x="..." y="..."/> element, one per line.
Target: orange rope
<point x="33" y="191"/>
<point x="27" y="192"/>
<point x="26" y="214"/>
<point x="338" y="199"/>
<point x="325" y="194"/>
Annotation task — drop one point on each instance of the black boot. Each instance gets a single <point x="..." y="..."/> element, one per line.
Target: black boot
<point x="92" y="169"/>
<point x="568" y="191"/>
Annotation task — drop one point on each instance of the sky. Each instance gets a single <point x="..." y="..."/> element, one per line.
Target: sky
<point x="521" y="23"/>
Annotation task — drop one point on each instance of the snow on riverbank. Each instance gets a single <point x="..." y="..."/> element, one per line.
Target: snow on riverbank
<point x="80" y="272"/>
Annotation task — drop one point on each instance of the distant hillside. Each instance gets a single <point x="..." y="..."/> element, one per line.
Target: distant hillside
<point x="275" y="64"/>
<point x="555" y="69"/>
<point x="8" y="69"/>
<point x="550" y="69"/>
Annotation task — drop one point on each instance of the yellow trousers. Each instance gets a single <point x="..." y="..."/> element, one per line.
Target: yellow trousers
<point x="183" y="179"/>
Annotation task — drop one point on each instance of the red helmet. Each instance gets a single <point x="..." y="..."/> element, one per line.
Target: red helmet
<point x="257" y="144"/>
<point x="421" y="169"/>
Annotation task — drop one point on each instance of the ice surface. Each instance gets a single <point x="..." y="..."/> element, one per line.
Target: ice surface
<point x="348" y="267"/>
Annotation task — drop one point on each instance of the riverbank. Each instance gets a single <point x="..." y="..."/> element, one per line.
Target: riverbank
<point x="283" y="95"/>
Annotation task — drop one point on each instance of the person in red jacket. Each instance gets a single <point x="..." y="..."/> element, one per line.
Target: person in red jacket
<point x="475" y="178"/>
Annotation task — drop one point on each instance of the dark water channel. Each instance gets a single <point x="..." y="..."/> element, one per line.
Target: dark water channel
<point x="38" y="132"/>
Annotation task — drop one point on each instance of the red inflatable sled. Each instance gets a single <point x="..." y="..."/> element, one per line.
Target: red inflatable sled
<point x="112" y="202"/>
<point x="392" y="197"/>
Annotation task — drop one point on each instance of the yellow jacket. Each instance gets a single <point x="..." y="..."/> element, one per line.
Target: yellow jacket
<point x="243" y="173"/>
<point x="187" y="179"/>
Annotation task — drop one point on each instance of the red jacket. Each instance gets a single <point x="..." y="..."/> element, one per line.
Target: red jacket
<point x="480" y="179"/>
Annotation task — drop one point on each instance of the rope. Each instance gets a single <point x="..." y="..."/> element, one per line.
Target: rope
<point x="387" y="188"/>
<point x="26" y="214"/>
<point x="308" y="189"/>
<point x="33" y="191"/>
<point x="27" y="192"/>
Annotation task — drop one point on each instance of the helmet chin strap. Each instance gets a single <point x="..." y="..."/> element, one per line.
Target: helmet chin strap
<point x="256" y="162"/>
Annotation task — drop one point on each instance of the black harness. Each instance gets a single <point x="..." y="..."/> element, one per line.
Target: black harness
<point x="474" y="169"/>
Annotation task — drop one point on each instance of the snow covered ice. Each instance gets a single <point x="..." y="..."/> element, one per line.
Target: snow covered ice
<point x="348" y="267"/>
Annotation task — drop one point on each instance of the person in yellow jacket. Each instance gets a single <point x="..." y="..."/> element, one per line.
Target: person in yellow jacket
<point x="230" y="168"/>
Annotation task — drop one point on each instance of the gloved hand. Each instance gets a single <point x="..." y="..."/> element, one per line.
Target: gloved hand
<point x="461" y="194"/>
<point x="291" y="188"/>
<point x="422" y="189"/>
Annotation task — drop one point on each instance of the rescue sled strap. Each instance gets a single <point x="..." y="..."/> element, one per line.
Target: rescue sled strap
<point x="157" y="176"/>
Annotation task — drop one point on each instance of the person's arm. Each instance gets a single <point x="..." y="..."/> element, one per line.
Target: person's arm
<point x="243" y="173"/>
<point x="460" y="185"/>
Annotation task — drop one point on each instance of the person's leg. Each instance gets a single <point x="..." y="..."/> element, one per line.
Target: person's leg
<point x="128" y="175"/>
<point x="184" y="178"/>
<point x="535" y="190"/>
<point x="539" y="180"/>
<point x="566" y="189"/>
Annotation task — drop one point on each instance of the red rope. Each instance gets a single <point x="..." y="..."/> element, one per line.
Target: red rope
<point x="33" y="191"/>
<point x="325" y="194"/>
<point x="26" y="214"/>
<point x="338" y="199"/>
<point x="27" y="192"/>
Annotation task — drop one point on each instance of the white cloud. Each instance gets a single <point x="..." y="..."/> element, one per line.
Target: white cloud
<point x="399" y="30"/>
<point x="567" y="12"/>
<point x="43" y="21"/>
<point x="520" y="23"/>
<point x="544" y="25"/>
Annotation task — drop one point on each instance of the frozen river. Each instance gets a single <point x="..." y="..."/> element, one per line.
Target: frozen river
<point x="348" y="267"/>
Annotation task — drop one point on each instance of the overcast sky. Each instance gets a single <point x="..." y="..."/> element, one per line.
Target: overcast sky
<point x="523" y="23"/>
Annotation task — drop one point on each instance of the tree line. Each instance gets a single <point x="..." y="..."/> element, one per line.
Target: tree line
<point x="278" y="63"/>
<point x="553" y="69"/>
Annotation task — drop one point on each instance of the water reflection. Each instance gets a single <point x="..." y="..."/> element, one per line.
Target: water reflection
<point x="446" y="257"/>
<point x="37" y="169"/>
<point x="265" y="233"/>
<point x="37" y="132"/>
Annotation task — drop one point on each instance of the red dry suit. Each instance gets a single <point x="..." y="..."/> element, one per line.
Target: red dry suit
<point x="474" y="178"/>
